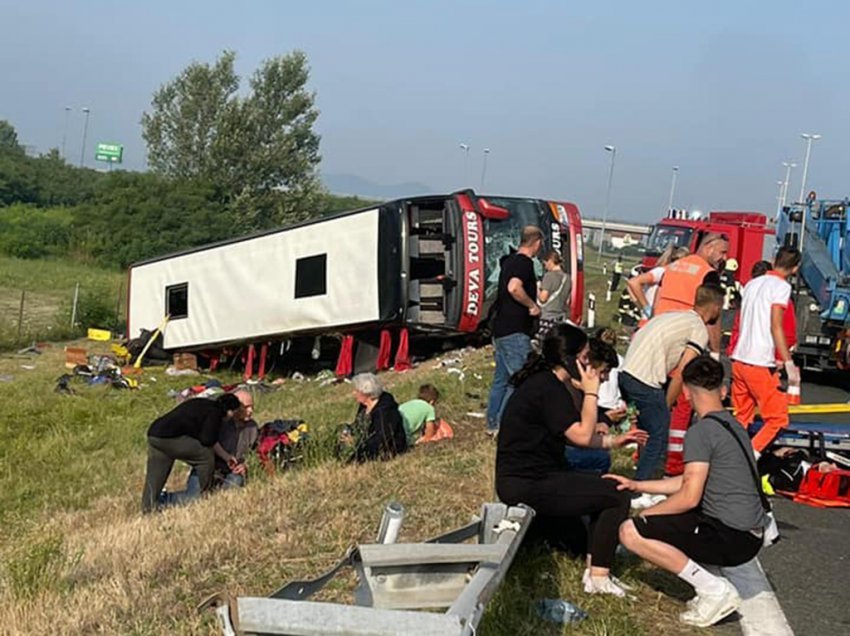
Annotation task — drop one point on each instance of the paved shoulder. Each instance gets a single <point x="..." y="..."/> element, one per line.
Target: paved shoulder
<point x="810" y="568"/>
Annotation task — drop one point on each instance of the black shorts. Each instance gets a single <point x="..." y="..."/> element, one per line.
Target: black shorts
<point x="704" y="539"/>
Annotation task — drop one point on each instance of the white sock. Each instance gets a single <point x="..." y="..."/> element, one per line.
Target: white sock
<point x="704" y="582"/>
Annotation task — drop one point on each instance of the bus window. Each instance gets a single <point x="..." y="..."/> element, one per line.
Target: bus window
<point x="502" y="237"/>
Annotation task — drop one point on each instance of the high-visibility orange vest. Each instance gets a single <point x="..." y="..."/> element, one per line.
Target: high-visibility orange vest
<point x="678" y="288"/>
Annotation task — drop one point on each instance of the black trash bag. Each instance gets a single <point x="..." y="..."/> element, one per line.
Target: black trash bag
<point x="156" y="354"/>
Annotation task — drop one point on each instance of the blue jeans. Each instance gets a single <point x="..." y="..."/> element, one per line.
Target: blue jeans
<point x="511" y="352"/>
<point x="588" y="460"/>
<point x="193" y="489"/>
<point x="654" y="418"/>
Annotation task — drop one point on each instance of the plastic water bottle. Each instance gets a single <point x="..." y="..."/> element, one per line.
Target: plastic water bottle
<point x="557" y="610"/>
<point x="391" y="522"/>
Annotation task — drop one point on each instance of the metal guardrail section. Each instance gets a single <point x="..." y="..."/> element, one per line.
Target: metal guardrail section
<point x="394" y="580"/>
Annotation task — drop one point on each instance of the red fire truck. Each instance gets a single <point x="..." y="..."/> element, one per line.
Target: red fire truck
<point x="751" y="239"/>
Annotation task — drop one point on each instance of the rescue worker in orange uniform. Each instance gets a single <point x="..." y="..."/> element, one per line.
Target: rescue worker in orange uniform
<point x="755" y="378"/>
<point x="677" y="292"/>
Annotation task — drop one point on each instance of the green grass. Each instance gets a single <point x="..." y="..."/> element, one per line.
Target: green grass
<point x="76" y="557"/>
<point x="48" y="287"/>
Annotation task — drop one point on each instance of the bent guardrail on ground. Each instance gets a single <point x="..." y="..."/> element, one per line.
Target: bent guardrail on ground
<point x="394" y="580"/>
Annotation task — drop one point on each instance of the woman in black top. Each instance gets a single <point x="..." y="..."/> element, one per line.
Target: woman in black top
<point x="530" y="468"/>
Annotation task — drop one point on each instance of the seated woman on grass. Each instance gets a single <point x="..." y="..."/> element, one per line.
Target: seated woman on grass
<point x="539" y="419"/>
<point x="378" y="428"/>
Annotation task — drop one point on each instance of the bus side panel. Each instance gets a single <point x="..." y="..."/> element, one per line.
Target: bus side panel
<point x="472" y="231"/>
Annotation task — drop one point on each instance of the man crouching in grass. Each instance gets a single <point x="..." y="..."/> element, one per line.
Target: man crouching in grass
<point x="714" y="514"/>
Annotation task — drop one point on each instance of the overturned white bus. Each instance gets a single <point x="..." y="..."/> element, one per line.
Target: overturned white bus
<point x="427" y="263"/>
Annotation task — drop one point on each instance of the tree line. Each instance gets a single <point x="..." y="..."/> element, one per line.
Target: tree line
<point x="224" y="160"/>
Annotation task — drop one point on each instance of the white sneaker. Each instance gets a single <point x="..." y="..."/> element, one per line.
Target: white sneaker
<point x="708" y="610"/>
<point x="646" y="501"/>
<point x="588" y="584"/>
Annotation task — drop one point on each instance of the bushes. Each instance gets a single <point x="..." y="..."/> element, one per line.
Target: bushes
<point x="28" y="232"/>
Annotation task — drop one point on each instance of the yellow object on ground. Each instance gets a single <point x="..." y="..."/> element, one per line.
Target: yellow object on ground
<point x="99" y="334"/>
<point x="800" y="409"/>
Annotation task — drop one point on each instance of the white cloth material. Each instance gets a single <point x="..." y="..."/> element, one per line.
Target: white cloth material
<point x="651" y="290"/>
<point x="755" y="343"/>
<point x="609" y="391"/>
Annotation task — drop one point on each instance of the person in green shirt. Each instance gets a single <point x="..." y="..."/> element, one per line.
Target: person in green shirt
<point x="419" y="415"/>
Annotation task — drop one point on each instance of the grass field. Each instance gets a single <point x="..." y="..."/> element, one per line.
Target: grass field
<point x="48" y="287"/>
<point x="77" y="558"/>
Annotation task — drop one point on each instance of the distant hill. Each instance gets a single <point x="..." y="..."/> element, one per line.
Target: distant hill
<point x="353" y="184"/>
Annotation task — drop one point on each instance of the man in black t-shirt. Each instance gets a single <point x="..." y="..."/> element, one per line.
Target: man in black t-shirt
<point x="513" y="324"/>
<point x="190" y="433"/>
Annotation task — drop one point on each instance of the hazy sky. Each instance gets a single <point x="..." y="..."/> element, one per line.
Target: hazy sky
<point x="721" y="89"/>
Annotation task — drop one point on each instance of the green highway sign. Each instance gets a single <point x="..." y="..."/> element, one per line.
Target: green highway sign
<point x="111" y="153"/>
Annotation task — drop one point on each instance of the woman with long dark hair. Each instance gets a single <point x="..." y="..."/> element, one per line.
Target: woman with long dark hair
<point x="538" y="421"/>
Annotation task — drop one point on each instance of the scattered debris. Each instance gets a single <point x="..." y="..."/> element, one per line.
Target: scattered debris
<point x="28" y="367"/>
<point x="477" y="415"/>
<point x="557" y="610"/>
<point x="184" y="361"/>
<point x="75" y="356"/>
<point x="101" y="335"/>
<point x="298" y="376"/>
<point x="174" y="371"/>
<point x="62" y="385"/>
<point x="280" y="444"/>
<point x="459" y="373"/>
<point x="6" y="378"/>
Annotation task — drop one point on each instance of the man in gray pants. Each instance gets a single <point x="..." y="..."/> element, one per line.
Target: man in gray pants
<point x="189" y="433"/>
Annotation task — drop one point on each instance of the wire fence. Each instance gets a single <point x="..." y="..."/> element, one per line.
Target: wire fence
<point x="28" y="316"/>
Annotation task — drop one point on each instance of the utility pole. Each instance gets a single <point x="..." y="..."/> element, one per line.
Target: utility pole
<point x="613" y="151"/>
<point x="809" y="137"/>
<point x="465" y="148"/>
<point x="672" y="188"/>
<point x="484" y="168"/>
<point x="65" y="130"/>
<point x="788" y="167"/>
<point x="85" y="132"/>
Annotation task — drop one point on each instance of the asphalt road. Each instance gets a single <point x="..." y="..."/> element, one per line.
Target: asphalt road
<point x="810" y="567"/>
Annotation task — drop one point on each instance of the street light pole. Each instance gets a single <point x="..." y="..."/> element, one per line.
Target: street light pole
<point x="788" y="166"/>
<point x="465" y="148"/>
<point x="65" y="130"/>
<point x="672" y="188"/>
<point x="484" y="168"/>
<point x="779" y="197"/>
<point x="809" y="137"/>
<point x="613" y="151"/>
<point x="85" y="132"/>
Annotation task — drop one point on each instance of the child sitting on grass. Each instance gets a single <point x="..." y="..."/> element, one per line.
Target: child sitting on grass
<point x="419" y="414"/>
